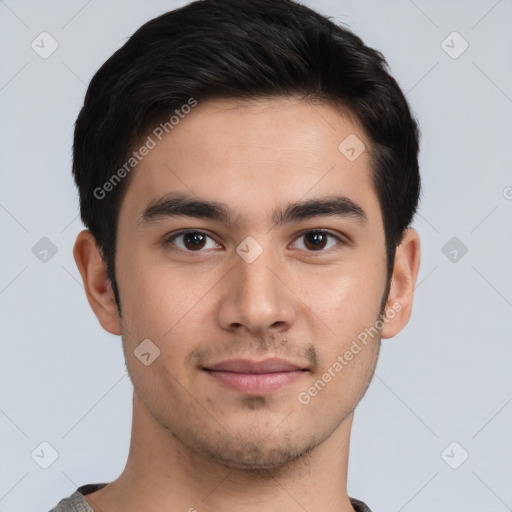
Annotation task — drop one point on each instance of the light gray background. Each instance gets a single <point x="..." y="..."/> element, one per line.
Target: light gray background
<point x="445" y="378"/>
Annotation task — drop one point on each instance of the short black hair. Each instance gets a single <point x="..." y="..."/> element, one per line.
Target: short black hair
<point x="213" y="49"/>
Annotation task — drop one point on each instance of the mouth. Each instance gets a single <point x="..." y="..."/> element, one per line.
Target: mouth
<point x="255" y="377"/>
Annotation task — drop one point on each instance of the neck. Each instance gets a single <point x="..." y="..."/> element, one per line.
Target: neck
<point x="162" y="474"/>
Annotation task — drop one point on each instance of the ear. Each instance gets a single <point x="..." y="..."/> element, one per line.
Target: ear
<point x="97" y="287"/>
<point x="403" y="281"/>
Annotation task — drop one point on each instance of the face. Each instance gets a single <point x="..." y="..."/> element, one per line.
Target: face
<point x="291" y="265"/>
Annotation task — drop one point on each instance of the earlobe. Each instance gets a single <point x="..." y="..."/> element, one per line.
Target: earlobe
<point x="97" y="287"/>
<point x="403" y="282"/>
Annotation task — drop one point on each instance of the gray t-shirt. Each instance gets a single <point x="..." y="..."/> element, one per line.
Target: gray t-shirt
<point x="77" y="503"/>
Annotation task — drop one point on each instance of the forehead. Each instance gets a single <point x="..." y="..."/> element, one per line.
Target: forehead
<point x="251" y="153"/>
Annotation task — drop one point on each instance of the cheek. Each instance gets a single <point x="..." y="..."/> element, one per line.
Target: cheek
<point x="348" y="308"/>
<point x="340" y="382"/>
<point x="167" y="308"/>
<point x="345" y="304"/>
<point x="344" y="295"/>
<point x="155" y="296"/>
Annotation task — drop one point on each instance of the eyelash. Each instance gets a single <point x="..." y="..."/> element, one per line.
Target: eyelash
<point x="169" y="240"/>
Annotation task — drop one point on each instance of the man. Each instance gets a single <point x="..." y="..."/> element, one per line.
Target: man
<point x="248" y="174"/>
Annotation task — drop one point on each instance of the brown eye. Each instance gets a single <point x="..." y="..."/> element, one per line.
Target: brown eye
<point x="190" y="241"/>
<point x="318" y="241"/>
<point x="315" y="240"/>
<point x="194" y="241"/>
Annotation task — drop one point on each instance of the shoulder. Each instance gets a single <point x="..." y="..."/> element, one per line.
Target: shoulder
<point x="359" y="506"/>
<point x="76" y="502"/>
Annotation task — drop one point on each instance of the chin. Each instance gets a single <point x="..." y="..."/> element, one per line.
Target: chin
<point x="257" y="456"/>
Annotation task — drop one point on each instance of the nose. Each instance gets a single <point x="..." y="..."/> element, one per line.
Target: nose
<point x="256" y="297"/>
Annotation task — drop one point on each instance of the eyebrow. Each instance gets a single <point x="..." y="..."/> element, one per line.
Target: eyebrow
<point x="182" y="205"/>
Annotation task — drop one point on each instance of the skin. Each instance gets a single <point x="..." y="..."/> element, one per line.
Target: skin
<point x="195" y="443"/>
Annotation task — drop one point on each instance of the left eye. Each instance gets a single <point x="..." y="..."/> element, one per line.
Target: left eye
<point x="317" y="240"/>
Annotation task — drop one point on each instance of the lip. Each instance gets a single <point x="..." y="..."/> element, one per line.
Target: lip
<point x="255" y="377"/>
<point x="272" y="365"/>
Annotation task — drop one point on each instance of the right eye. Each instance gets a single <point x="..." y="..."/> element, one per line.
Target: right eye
<point x="189" y="241"/>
